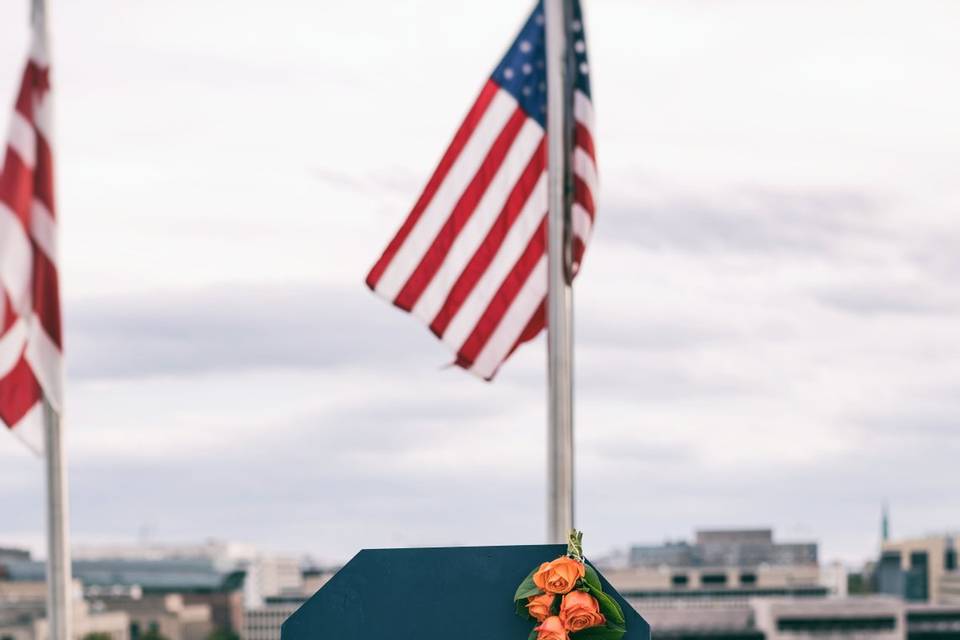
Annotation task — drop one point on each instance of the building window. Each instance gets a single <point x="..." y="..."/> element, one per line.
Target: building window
<point x="713" y="579"/>
<point x="945" y="619"/>
<point x="748" y="579"/>
<point x="679" y="580"/>
<point x="836" y="625"/>
<point x="950" y="560"/>
<point x="134" y="631"/>
<point x="917" y="577"/>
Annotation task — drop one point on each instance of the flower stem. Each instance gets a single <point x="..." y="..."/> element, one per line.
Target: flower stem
<point x="575" y="545"/>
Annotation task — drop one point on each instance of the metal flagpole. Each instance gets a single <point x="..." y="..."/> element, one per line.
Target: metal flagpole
<point x="59" y="571"/>
<point x="59" y="580"/>
<point x="559" y="293"/>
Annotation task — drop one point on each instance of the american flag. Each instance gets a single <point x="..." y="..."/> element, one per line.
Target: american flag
<point x="470" y="260"/>
<point x="30" y="340"/>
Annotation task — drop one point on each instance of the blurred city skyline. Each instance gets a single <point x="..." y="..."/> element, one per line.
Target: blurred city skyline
<point x="766" y="320"/>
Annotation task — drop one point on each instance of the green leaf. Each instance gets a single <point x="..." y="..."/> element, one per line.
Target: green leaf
<point x="592" y="578"/>
<point x="520" y="606"/>
<point x="527" y="588"/>
<point x="606" y="632"/>
<point x="609" y="607"/>
<point x="533" y="635"/>
<point x="524" y="592"/>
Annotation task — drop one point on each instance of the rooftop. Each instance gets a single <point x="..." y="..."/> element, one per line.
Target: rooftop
<point x="726" y="548"/>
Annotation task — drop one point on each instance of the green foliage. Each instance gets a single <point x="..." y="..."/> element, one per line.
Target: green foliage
<point x="606" y="632"/>
<point x="527" y="588"/>
<point x="592" y="578"/>
<point x="609" y="608"/>
<point x="575" y="545"/>
<point x="222" y="634"/>
<point x="153" y="634"/>
<point x="858" y="584"/>
<point x="520" y="606"/>
<point x="615" y="626"/>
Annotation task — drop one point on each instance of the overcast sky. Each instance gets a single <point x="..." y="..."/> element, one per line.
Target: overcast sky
<point x="767" y="320"/>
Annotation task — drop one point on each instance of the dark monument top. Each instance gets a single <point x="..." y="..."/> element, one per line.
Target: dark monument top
<point x="447" y="593"/>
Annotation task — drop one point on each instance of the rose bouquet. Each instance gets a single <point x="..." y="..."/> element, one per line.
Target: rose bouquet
<point x="567" y="600"/>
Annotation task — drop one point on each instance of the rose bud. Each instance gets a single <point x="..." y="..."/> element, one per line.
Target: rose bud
<point x="539" y="606"/>
<point x="551" y="629"/>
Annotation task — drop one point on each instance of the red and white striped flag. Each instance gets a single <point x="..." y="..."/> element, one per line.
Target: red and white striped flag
<point x="30" y="340"/>
<point x="470" y="260"/>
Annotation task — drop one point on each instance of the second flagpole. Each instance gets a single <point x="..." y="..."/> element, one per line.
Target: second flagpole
<point x="59" y="570"/>
<point x="559" y="294"/>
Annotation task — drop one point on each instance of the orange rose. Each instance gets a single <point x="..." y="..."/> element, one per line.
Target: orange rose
<point x="551" y="629"/>
<point x="580" y="610"/>
<point x="539" y="606"/>
<point x="559" y="576"/>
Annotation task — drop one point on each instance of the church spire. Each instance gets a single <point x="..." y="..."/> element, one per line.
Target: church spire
<point x="885" y="523"/>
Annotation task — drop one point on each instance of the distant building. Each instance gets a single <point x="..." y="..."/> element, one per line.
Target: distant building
<point x="732" y="548"/>
<point x="206" y="564"/>
<point x="932" y="622"/>
<point x="271" y="577"/>
<point x="857" y="618"/>
<point x="8" y="554"/>
<point x="719" y="621"/>
<point x="226" y="577"/>
<point x="736" y="564"/>
<point x="314" y="579"/>
<point x="222" y="556"/>
<point x="226" y="602"/>
<point x="23" y="607"/>
<point x="263" y="622"/>
<point x="152" y="575"/>
<point x="743" y="585"/>
<point x="877" y="618"/>
<point x="950" y="588"/>
<point x="169" y="615"/>
<point x="836" y="579"/>
<point x="920" y="569"/>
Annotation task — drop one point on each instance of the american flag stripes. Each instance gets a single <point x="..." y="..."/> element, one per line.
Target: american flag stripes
<point x="30" y="339"/>
<point x="470" y="260"/>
